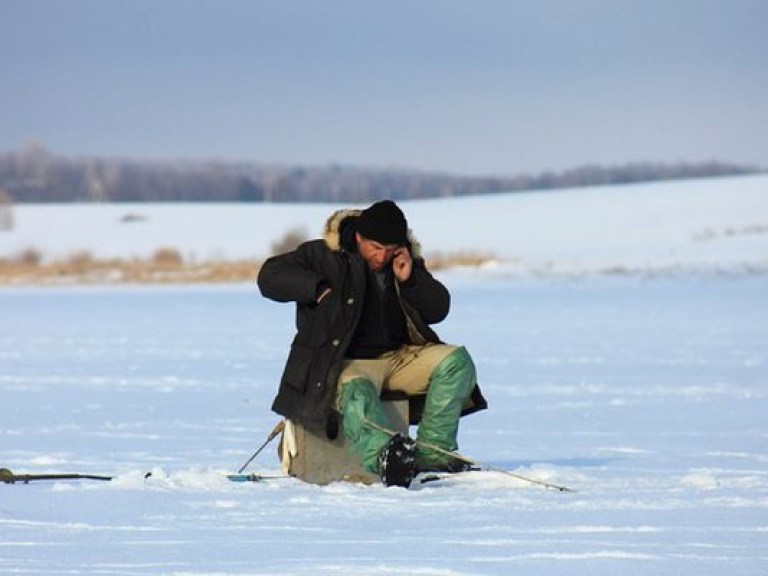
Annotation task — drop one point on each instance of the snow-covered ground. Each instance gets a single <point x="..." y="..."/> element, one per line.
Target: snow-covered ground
<point x="646" y="394"/>
<point x="648" y="397"/>
<point x="694" y="224"/>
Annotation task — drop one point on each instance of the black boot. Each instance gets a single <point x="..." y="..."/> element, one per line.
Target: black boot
<point x="452" y="466"/>
<point x="397" y="461"/>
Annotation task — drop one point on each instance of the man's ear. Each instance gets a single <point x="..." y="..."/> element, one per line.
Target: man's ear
<point x="358" y="237"/>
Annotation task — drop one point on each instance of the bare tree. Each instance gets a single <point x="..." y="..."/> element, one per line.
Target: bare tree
<point x="290" y="241"/>
<point x="33" y="174"/>
<point x="6" y="211"/>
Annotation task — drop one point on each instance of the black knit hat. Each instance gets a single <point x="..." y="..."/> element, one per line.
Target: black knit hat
<point x="383" y="222"/>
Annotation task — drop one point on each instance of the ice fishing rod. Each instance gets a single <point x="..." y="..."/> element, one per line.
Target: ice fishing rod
<point x="8" y="477"/>
<point x="471" y="461"/>
<point x="272" y="435"/>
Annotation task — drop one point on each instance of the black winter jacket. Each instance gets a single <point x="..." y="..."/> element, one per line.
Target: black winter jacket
<point x="324" y="331"/>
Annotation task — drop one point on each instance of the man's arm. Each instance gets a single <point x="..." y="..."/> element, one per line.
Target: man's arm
<point x="294" y="276"/>
<point x="425" y="294"/>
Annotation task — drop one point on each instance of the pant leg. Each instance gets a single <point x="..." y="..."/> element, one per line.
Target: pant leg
<point x="358" y="400"/>
<point x="447" y="374"/>
<point x="412" y="367"/>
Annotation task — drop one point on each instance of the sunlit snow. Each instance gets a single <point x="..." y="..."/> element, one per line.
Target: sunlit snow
<point x="646" y="392"/>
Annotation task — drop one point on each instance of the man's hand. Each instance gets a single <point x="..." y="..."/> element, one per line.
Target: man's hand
<point x="402" y="264"/>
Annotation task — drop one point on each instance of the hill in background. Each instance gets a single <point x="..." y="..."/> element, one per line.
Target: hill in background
<point x="700" y="226"/>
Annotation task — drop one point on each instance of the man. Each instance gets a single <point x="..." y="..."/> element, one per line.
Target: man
<point x="364" y="302"/>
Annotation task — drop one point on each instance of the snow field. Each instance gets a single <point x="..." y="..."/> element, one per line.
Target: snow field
<point x="718" y="225"/>
<point x="646" y="392"/>
<point x="647" y="396"/>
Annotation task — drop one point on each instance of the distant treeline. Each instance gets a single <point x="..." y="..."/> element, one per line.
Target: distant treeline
<point x="34" y="174"/>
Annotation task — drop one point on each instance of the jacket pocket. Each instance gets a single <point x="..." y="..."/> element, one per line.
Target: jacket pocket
<point x="297" y="367"/>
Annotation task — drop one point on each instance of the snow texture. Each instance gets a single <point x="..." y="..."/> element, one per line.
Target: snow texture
<point x="700" y="225"/>
<point x="645" y="394"/>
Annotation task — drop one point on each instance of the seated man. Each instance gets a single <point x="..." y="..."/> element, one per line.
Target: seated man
<point x="365" y="301"/>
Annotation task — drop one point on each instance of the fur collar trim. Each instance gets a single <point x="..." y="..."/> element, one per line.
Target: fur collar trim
<point x="332" y="232"/>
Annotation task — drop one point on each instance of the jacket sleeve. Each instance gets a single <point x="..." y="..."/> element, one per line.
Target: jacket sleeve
<point x="294" y="276"/>
<point x="425" y="294"/>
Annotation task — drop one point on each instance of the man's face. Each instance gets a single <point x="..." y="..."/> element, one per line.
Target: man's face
<point x="375" y="254"/>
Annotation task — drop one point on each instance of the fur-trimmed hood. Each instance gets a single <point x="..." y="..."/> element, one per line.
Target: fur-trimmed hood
<point x="332" y="234"/>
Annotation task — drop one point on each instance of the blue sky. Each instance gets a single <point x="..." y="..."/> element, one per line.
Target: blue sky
<point x="472" y="87"/>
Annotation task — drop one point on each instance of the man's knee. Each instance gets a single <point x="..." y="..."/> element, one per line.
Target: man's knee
<point x="356" y="390"/>
<point x="458" y="370"/>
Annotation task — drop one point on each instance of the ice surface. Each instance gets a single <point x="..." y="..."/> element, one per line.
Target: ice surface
<point x="647" y="396"/>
